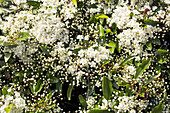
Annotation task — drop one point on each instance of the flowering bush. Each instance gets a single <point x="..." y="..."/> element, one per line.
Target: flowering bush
<point x="85" y="56"/>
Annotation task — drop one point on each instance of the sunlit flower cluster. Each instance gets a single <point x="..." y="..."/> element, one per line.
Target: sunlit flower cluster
<point x="79" y="55"/>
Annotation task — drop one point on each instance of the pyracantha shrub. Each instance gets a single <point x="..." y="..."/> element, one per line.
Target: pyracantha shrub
<point x="84" y="56"/>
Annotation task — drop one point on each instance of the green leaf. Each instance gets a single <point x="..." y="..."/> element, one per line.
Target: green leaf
<point x="156" y="41"/>
<point x="23" y="36"/>
<point x="82" y="101"/>
<point x="160" y="58"/>
<point x="112" y="45"/>
<point x="51" y="106"/>
<point x="162" y="51"/>
<point x="151" y="79"/>
<point x="149" y="45"/>
<point x="101" y="31"/>
<point x="39" y="86"/>
<point x="141" y="95"/>
<point x="128" y="90"/>
<point x="44" y="49"/>
<point x="142" y="67"/>
<point x="115" y="84"/>
<point x="126" y="60"/>
<point x="118" y="46"/>
<point x="151" y="22"/>
<point x="99" y="111"/>
<point x="69" y="91"/>
<point x="105" y="62"/>
<point x="7" y="56"/>
<point x="107" y="88"/>
<point x="10" y="45"/>
<point x="8" y="109"/>
<point x="158" y="108"/>
<point x="59" y="87"/>
<point x="114" y="27"/>
<point x="131" y="14"/>
<point x="32" y="87"/>
<point x="101" y="16"/>
<point x="143" y="89"/>
<point x="49" y="95"/>
<point x="92" y="19"/>
<point x="75" y="2"/>
<point x="157" y="68"/>
<point x="122" y="83"/>
<point x="35" y="4"/>
<point x="165" y="97"/>
<point x="4" y="91"/>
<point x="108" y="31"/>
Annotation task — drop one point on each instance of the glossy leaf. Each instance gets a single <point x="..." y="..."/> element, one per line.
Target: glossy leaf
<point x="156" y="41"/>
<point x="4" y="91"/>
<point x="32" y="87"/>
<point x="142" y="67"/>
<point x="105" y="62"/>
<point x="126" y="60"/>
<point x="114" y="27"/>
<point x="112" y="45"/>
<point x="59" y="87"/>
<point x="69" y="91"/>
<point x="122" y="83"/>
<point x="118" y="46"/>
<point x="151" y="79"/>
<point x="158" y="108"/>
<point x="101" y="30"/>
<point x="44" y="49"/>
<point x="23" y="36"/>
<point x="107" y="88"/>
<point x="92" y="19"/>
<point x="35" y="4"/>
<point x="131" y="14"/>
<point x="149" y="45"/>
<point x="82" y="101"/>
<point x="39" y="86"/>
<point x="151" y="22"/>
<point x="162" y="51"/>
<point x="102" y="16"/>
<point x="115" y="85"/>
<point x="108" y="31"/>
<point x="75" y="2"/>
<point x="9" y="108"/>
<point x="49" y="95"/>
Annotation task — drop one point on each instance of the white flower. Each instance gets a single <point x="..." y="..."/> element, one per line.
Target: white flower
<point x="9" y="90"/>
<point x="86" y="37"/>
<point x="8" y="97"/>
<point x="132" y="111"/>
<point x="17" y="94"/>
<point x="84" y="61"/>
<point x="80" y="37"/>
<point x="98" y="84"/>
<point x="19" y="103"/>
<point x="81" y="53"/>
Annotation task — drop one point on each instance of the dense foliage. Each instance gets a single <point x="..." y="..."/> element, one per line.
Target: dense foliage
<point x="95" y="56"/>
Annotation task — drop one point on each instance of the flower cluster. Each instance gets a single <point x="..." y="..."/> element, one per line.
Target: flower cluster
<point x="84" y="55"/>
<point x="16" y="103"/>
